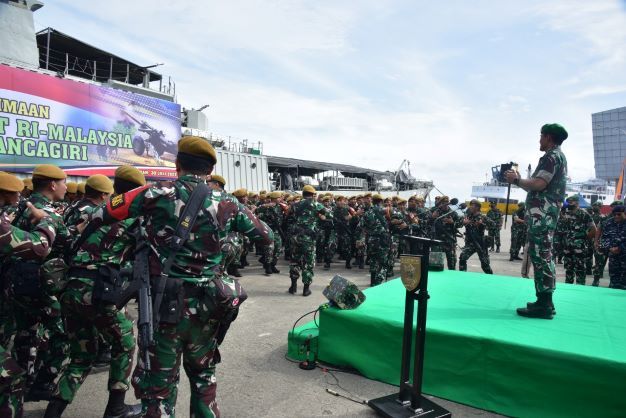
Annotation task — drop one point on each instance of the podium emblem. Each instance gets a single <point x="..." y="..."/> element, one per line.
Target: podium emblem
<point x="410" y="271"/>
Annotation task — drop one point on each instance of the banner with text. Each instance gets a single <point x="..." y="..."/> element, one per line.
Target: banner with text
<point x="75" y="125"/>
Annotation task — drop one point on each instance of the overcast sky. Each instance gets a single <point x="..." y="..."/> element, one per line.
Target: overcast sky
<point x="453" y="86"/>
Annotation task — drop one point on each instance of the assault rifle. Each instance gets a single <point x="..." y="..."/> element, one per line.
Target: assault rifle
<point x="141" y="277"/>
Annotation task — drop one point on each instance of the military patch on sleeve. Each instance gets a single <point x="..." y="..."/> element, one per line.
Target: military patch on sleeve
<point x="117" y="201"/>
<point x="118" y="206"/>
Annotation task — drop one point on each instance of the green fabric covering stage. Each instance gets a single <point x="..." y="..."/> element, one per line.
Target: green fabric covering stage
<point x="480" y="353"/>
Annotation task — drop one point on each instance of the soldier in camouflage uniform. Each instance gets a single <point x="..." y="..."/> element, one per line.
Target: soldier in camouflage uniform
<point x="475" y="225"/>
<point x="397" y="228"/>
<point x="358" y="236"/>
<point x="342" y="215"/>
<point x="613" y="242"/>
<point x="546" y="191"/>
<point x="600" y="258"/>
<point x="445" y="229"/>
<point x="519" y="229"/>
<point x="577" y="227"/>
<point x="35" y="245"/>
<point x="308" y="213"/>
<point x="559" y="238"/>
<point x="40" y="341"/>
<point x="376" y="228"/>
<point x="234" y="247"/>
<point x="196" y="333"/>
<point x="328" y="231"/>
<point x="493" y="232"/>
<point x="91" y="322"/>
<point x="272" y="214"/>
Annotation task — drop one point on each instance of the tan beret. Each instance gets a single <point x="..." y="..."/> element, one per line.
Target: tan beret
<point x="377" y="197"/>
<point x="308" y="188"/>
<point x="28" y="183"/>
<point x="275" y="195"/>
<point x="198" y="147"/>
<point x="81" y="188"/>
<point x="130" y="174"/>
<point x="368" y="195"/>
<point x="240" y="193"/>
<point x="49" y="171"/>
<point x="100" y="183"/>
<point x="218" y="179"/>
<point x="72" y="187"/>
<point x="10" y="183"/>
<point x="326" y="199"/>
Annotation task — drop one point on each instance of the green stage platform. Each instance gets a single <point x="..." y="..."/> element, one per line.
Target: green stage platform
<point x="480" y="353"/>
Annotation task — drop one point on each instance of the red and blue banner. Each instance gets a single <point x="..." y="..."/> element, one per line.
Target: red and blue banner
<point x="83" y="128"/>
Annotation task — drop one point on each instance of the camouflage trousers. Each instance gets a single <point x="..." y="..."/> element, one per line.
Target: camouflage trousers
<point x="378" y="254"/>
<point x="40" y="344"/>
<point x="483" y="256"/>
<point x="85" y="323"/>
<point x="329" y="245"/>
<point x="302" y="258"/>
<point x="344" y="245"/>
<point x="540" y="235"/>
<point x="518" y="240"/>
<point x="193" y="339"/>
<point x="600" y="263"/>
<point x="589" y="257"/>
<point x="617" y="271"/>
<point x="574" y="263"/>
<point x="393" y="252"/>
<point x="449" y="248"/>
<point x="493" y="237"/>
<point x="11" y="386"/>
<point x="273" y="252"/>
<point x="232" y="247"/>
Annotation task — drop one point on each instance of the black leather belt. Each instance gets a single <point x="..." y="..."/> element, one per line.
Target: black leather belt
<point x="83" y="273"/>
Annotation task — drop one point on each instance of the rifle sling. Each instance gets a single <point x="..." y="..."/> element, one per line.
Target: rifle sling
<point x="185" y="223"/>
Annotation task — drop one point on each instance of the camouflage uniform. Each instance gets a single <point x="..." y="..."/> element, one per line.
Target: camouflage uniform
<point x="542" y="210"/>
<point x="86" y="321"/>
<point x="272" y="215"/>
<point x="599" y="256"/>
<point x="614" y="235"/>
<point x="493" y="231"/>
<point x="342" y="218"/>
<point x="475" y="241"/>
<point x="35" y="245"/>
<point x="40" y="332"/>
<point x="518" y="233"/>
<point x="559" y="239"/>
<point x="329" y="236"/>
<point x="445" y="232"/>
<point x="305" y="233"/>
<point x="576" y="225"/>
<point x="196" y="264"/>
<point x="397" y="228"/>
<point x="376" y="227"/>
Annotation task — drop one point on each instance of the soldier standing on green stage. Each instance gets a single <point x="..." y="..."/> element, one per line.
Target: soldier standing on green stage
<point x="613" y="242"/>
<point x="40" y="334"/>
<point x="600" y="258"/>
<point x="307" y="213"/>
<point x="196" y="332"/>
<point x="577" y="227"/>
<point x="546" y="190"/>
<point x="35" y="245"/>
<point x="376" y="228"/>
<point x="446" y="222"/>
<point x="519" y="229"/>
<point x="88" y="320"/>
<point x="494" y="231"/>
<point x="475" y="225"/>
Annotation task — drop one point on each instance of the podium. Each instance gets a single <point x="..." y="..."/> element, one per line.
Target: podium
<point x="409" y="402"/>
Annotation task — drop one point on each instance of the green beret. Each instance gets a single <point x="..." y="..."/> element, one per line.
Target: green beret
<point x="218" y="179"/>
<point x="521" y="204"/>
<point x="71" y="187"/>
<point x="49" y="171"/>
<point x="557" y="131"/>
<point x="81" y="188"/>
<point x="475" y="202"/>
<point x="198" y="147"/>
<point x="617" y="203"/>
<point x="240" y="193"/>
<point x="130" y="174"/>
<point x="596" y="203"/>
<point x="10" y="183"/>
<point x="308" y="188"/>
<point x="28" y="183"/>
<point x="100" y="183"/>
<point x="573" y="198"/>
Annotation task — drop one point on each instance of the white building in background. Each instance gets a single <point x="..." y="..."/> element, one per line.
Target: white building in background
<point x="609" y="142"/>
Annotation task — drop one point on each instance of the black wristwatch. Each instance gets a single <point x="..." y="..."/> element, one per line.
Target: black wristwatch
<point x="516" y="181"/>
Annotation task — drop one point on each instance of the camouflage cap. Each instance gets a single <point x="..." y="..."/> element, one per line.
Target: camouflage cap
<point x="100" y="183"/>
<point x="130" y="174"/>
<point x="49" y="171"/>
<point x="10" y="183"/>
<point x="72" y="187"/>
<point x="197" y="147"/>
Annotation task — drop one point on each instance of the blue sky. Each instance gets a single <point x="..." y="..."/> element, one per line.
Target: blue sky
<point x="454" y="86"/>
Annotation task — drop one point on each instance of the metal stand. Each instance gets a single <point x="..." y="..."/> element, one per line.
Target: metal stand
<point x="409" y="402"/>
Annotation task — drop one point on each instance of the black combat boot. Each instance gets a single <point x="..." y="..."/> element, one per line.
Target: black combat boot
<point x="596" y="282"/>
<point x="543" y="308"/>
<point x="532" y="305"/>
<point x="293" y="289"/>
<point x="360" y="261"/>
<point x="274" y="269"/>
<point x="116" y="408"/>
<point x="327" y="265"/>
<point x="268" y="269"/>
<point x="498" y="249"/>
<point x="348" y="265"/>
<point x="42" y="388"/>
<point x="372" y="279"/>
<point x="306" y="291"/>
<point x="244" y="261"/>
<point x="233" y="271"/>
<point x="55" y="408"/>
